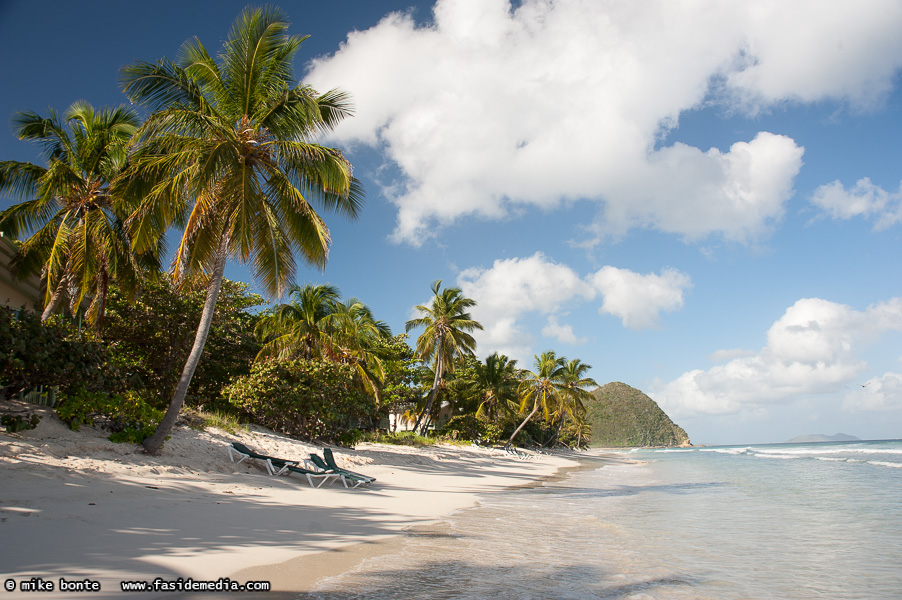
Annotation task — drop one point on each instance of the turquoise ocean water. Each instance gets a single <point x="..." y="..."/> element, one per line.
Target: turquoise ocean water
<point x="793" y="521"/>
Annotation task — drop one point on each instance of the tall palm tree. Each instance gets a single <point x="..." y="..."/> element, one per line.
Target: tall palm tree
<point x="495" y="386"/>
<point x="542" y="388"/>
<point x="447" y="323"/>
<point x="77" y="240"/>
<point x="228" y="153"/>
<point x="571" y="404"/>
<point x="301" y="328"/>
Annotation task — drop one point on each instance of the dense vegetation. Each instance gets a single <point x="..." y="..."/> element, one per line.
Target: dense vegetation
<point x="623" y="416"/>
<point x="228" y="154"/>
<point x="338" y="381"/>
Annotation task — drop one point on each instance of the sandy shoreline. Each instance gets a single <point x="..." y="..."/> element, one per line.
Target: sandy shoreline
<point x="74" y="505"/>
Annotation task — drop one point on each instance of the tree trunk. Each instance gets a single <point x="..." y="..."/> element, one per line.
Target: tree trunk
<point x="102" y="293"/>
<point x="436" y="382"/>
<point x="557" y="432"/>
<point x="535" y="409"/>
<point x="153" y="444"/>
<point x="56" y="298"/>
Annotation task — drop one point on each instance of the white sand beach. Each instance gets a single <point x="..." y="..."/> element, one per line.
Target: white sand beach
<point x="76" y="506"/>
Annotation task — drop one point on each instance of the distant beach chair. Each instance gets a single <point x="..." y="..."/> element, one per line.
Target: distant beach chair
<point x="272" y="463"/>
<point x="329" y="466"/>
<point x="514" y="452"/>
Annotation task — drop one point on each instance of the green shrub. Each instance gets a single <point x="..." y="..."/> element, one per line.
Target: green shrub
<point x="401" y="438"/>
<point x="128" y="416"/>
<point x="532" y="434"/>
<point x="304" y="399"/>
<point x="149" y="340"/>
<point x="349" y="438"/>
<point x="17" y="423"/>
<point x="53" y="353"/>
<point x="470" y="427"/>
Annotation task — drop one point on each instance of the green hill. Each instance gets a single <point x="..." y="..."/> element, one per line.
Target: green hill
<point x="623" y="416"/>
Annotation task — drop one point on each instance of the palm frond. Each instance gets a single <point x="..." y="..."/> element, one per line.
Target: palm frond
<point x="197" y="63"/>
<point x="48" y="132"/>
<point x="31" y="215"/>
<point x="334" y="106"/>
<point x="160" y="86"/>
<point x="272" y="256"/>
<point x="34" y="252"/>
<point x="20" y="178"/>
<point x="308" y="232"/>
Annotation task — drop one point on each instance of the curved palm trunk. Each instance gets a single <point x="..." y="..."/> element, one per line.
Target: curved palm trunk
<point x="101" y="300"/>
<point x="153" y="444"/>
<point x="535" y="409"/>
<point x="56" y="298"/>
<point x="557" y="432"/>
<point x="436" y="382"/>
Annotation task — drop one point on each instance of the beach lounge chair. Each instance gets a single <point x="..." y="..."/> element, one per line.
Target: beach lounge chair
<point x="274" y="466"/>
<point x="311" y="475"/>
<point x="278" y="466"/>
<point x="355" y="478"/>
<point x="330" y="462"/>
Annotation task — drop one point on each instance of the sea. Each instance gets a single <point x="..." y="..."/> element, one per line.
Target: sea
<point x="784" y="521"/>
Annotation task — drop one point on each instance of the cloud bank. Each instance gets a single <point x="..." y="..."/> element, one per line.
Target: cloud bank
<point x="813" y="348"/>
<point x="488" y="108"/>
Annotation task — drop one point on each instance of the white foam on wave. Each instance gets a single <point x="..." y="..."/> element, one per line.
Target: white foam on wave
<point x="676" y="450"/>
<point x="810" y="451"/>
<point x="733" y="451"/>
<point x="779" y="456"/>
<point x="882" y="463"/>
<point x="879" y="463"/>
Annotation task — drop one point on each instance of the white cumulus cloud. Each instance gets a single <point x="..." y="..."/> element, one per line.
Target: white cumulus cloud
<point x="561" y="332"/>
<point x="879" y="394"/>
<point x="806" y="51"/>
<point x="489" y="108"/>
<point x="813" y="348"/>
<point x="513" y="289"/>
<point x="517" y="285"/>
<point x="864" y="199"/>
<point x="638" y="300"/>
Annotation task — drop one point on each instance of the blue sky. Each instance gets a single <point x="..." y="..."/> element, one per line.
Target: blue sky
<point x="700" y="199"/>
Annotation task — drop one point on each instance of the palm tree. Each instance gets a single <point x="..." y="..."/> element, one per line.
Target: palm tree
<point x="77" y="241"/>
<point x="301" y="328"/>
<point x="542" y="388"/>
<point x="317" y="325"/>
<point x="447" y="323"/>
<point x="495" y="387"/>
<point x="228" y="153"/>
<point x="355" y="341"/>
<point x="571" y="404"/>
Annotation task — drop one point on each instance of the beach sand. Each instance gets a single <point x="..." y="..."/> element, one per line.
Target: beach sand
<point x="76" y="506"/>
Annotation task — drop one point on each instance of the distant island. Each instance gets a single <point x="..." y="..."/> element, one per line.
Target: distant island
<point x="820" y="437"/>
<point x="622" y="416"/>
